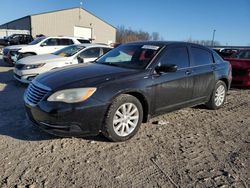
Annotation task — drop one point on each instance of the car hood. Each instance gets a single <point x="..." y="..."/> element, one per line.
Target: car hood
<point x="37" y="59"/>
<point x="16" y="47"/>
<point x="82" y="75"/>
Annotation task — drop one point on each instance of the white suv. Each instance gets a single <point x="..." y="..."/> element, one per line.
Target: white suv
<point x="39" y="46"/>
<point x="26" y="69"/>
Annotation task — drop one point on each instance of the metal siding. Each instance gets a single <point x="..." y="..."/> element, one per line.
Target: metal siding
<point x="63" y="22"/>
<point x="20" y="24"/>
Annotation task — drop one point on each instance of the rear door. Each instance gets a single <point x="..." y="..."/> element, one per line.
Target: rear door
<point x="203" y="68"/>
<point x="173" y="89"/>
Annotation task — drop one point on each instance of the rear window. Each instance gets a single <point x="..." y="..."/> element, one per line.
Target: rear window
<point x="83" y="41"/>
<point x="201" y="56"/>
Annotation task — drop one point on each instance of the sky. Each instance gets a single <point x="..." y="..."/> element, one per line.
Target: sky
<point x="174" y="20"/>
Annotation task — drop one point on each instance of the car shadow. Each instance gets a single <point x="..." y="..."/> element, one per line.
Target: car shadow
<point x="14" y="122"/>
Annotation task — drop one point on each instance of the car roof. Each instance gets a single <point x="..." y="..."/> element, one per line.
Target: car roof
<point x="65" y="37"/>
<point x="87" y="45"/>
<point x="165" y="43"/>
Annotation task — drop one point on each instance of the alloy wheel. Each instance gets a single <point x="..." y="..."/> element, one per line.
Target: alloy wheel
<point x="125" y="119"/>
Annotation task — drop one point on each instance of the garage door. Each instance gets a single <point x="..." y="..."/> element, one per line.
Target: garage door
<point x="83" y="32"/>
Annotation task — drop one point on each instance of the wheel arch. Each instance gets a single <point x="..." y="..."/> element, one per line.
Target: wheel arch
<point x="144" y="102"/>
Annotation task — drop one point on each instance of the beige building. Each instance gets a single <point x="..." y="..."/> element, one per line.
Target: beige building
<point x="76" y="22"/>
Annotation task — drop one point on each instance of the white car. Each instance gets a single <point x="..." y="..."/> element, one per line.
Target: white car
<point x="41" y="45"/>
<point x="26" y="69"/>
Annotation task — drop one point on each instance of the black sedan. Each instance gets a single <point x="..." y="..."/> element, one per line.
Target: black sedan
<point x="125" y="87"/>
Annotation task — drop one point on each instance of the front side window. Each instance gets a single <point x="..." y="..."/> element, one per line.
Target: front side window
<point x="176" y="56"/>
<point x="69" y="51"/>
<point x="201" y="56"/>
<point x="50" y="42"/>
<point x="91" y="53"/>
<point x="130" y="56"/>
<point x="37" y="40"/>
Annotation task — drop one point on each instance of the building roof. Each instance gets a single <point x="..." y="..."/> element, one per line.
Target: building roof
<point x="58" y="11"/>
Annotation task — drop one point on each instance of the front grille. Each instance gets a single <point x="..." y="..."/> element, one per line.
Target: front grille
<point x="238" y="72"/>
<point x="35" y="93"/>
<point x="19" y="66"/>
<point x="5" y="51"/>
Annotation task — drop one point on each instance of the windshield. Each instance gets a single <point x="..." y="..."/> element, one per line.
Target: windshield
<point x="37" y="40"/>
<point x="130" y="56"/>
<point x="244" y="54"/>
<point x="69" y="51"/>
<point x="10" y="37"/>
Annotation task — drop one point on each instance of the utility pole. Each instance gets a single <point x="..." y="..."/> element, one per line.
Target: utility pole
<point x="213" y="38"/>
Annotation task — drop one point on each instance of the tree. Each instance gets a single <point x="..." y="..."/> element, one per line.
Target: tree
<point x="125" y="35"/>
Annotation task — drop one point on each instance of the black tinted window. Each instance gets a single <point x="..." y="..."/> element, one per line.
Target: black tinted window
<point x="201" y="56"/>
<point x="176" y="56"/>
<point x="91" y="53"/>
<point x="217" y="58"/>
<point x="65" y="42"/>
<point x="82" y="41"/>
<point x="51" y="42"/>
<point x="105" y="50"/>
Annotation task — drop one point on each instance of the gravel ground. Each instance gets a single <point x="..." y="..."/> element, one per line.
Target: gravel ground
<point x="193" y="147"/>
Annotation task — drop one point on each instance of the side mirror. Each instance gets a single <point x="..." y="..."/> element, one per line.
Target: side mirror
<point x="80" y="60"/>
<point x="166" y="68"/>
<point x="43" y="44"/>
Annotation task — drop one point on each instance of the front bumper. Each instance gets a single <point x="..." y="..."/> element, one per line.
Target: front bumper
<point x="20" y="76"/>
<point x="67" y="120"/>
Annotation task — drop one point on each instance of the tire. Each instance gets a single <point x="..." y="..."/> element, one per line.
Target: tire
<point x="218" y="96"/>
<point x="118" y="125"/>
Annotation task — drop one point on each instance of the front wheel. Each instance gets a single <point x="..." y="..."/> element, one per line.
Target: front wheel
<point x="123" y="119"/>
<point x="218" y="96"/>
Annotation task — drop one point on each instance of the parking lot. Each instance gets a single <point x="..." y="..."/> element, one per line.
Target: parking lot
<point x="194" y="147"/>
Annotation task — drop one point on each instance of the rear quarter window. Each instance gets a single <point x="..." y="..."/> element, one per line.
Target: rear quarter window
<point x="201" y="56"/>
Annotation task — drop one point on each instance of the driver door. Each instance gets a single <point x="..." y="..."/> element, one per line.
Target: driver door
<point x="174" y="89"/>
<point x="48" y="46"/>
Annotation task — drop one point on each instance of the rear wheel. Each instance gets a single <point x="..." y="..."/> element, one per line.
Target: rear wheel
<point x="218" y="96"/>
<point x="123" y="119"/>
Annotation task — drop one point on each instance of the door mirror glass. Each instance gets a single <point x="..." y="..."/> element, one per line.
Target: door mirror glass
<point x="43" y="44"/>
<point x="166" y="68"/>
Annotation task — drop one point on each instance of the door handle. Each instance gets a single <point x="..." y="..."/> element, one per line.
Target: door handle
<point x="188" y="72"/>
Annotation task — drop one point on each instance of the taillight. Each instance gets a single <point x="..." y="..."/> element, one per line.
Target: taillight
<point x="230" y="72"/>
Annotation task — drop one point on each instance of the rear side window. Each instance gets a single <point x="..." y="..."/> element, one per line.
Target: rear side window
<point x="65" y="42"/>
<point x="176" y="56"/>
<point x="217" y="58"/>
<point x="91" y="53"/>
<point x="201" y="56"/>
<point x="105" y="50"/>
<point x="82" y="41"/>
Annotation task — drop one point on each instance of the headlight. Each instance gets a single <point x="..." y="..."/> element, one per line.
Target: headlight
<point x="27" y="67"/>
<point x="72" y="95"/>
